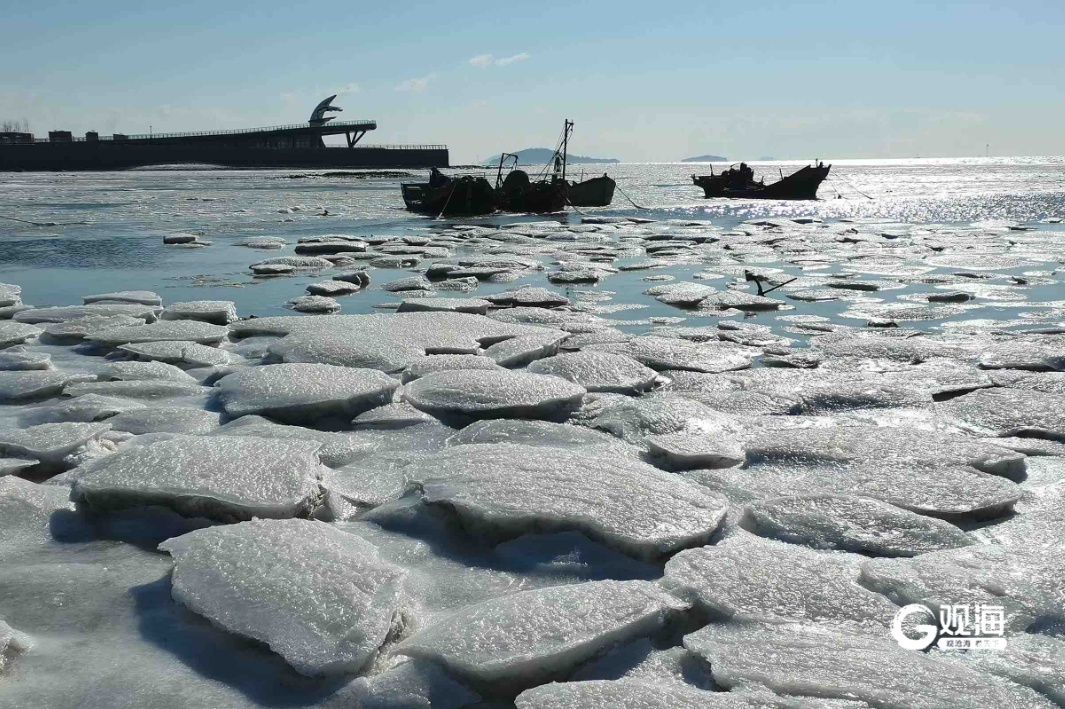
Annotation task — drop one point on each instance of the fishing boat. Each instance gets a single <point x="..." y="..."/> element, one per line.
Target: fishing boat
<point x="739" y="183"/>
<point x="593" y="192"/>
<point x="464" y="195"/>
<point x="548" y="193"/>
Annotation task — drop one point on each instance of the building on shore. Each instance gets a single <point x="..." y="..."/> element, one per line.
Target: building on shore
<point x="299" y="145"/>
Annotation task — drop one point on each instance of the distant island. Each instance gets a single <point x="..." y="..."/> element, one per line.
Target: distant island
<point x="706" y="158"/>
<point x="541" y="156"/>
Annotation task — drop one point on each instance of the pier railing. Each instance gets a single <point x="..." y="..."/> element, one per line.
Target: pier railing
<point x="352" y="125"/>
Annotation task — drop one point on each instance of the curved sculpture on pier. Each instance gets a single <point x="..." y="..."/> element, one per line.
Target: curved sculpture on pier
<point x="318" y="117"/>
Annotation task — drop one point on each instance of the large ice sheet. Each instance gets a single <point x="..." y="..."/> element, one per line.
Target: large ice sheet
<point x="442" y="363"/>
<point x="225" y="478"/>
<point x="934" y="489"/>
<point x="683" y="450"/>
<point x="179" y="352"/>
<point x="134" y="371"/>
<point x="304" y="392"/>
<point x="526" y="638"/>
<point x="535" y="433"/>
<point x="19" y="359"/>
<point x="478" y="394"/>
<point x="163" y="331"/>
<point x="25" y="510"/>
<point x="748" y="578"/>
<point x="829" y="663"/>
<point x="139" y="297"/>
<point x="1029" y="659"/>
<point x="851" y="523"/>
<point x="1010" y="412"/>
<point x="338" y="448"/>
<point x="77" y="329"/>
<point x="529" y="296"/>
<point x="145" y="313"/>
<point x="136" y="389"/>
<point x="13" y="466"/>
<point x="599" y="371"/>
<point x="216" y="312"/>
<point x="1028" y="583"/>
<point x="15" y="333"/>
<point x="524" y="349"/>
<point x="84" y="409"/>
<point x="1039" y="353"/>
<point x="386" y="342"/>
<point x="165" y="419"/>
<point x="634" y="693"/>
<point x="50" y="443"/>
<point x="509" y="490"/>
<point x="322" y="599"/>
<point x="633" y="419"/>
<point x="36" y="384"/>
<point x="475" y="306"/>
<point x="664" y="353"/>
<point x="882" y="443"/>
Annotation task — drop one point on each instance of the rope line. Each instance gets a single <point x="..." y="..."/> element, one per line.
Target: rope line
<point x="454" y="186"/>
<point x="628" y="197"/>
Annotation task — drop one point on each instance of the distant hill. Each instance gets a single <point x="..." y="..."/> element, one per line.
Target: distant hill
<point x="540" y="156"/>
<point x="706" y="158"/>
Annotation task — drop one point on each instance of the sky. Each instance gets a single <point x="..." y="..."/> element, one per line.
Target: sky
<point x="643" y="82"/>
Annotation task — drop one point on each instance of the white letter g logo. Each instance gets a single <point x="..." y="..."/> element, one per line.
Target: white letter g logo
<point x="928" y="632"/>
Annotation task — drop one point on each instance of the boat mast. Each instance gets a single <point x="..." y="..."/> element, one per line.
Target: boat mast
<point x="566" y="130"/>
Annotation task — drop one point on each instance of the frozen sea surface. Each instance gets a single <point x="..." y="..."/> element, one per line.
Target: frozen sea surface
<point x="557" y="461"/>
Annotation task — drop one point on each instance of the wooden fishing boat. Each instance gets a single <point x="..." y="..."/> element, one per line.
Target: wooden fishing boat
<point x="465" y="195"/>
<point x="518" y="193"/>
<point x="549" y="193"/>
<point x="739" y="183"/>
<point x="594" y="192"/>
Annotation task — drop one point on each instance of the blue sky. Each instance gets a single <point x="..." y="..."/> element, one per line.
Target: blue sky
<point x="643" y="82"/>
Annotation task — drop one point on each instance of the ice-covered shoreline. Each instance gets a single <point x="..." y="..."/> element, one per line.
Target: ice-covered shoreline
<point x="583" y="452"/>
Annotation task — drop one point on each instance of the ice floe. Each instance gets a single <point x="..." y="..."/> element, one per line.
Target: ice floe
<point x="748" y="578"/>
<point x="599" y="371"/>
<point x="531" y="637"/>
<point x="168" y="330"/>
<point x="851" y="523"/>
<point x="611" y="497"/>
<point x="830" y="663"/>
<point x="216" y="312"/>
<point x="304" y="392"/>
<point x="223" y="477"/>
<point x="322" y="599"/>
<point x="486" y="393"/>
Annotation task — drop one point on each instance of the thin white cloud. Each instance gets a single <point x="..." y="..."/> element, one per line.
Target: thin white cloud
<point x="486" y="60"/>
<point x="505" y="61"/>
<point x="415" y="85"/>
<point x="349" y="89"/>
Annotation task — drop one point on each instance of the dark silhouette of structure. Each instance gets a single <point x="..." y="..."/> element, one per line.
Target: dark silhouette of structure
<point x="298" y="145"/>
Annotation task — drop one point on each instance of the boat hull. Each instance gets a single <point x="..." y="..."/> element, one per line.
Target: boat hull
<point x="519" y="194"/>
<point x="464" y="196"/>
<point x="799" y="185"/>
<point x="596" y="192"/>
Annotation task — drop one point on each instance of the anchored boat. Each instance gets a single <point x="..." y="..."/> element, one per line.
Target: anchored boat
<point x="467" y="195"/>
<point x="472" y="195"/>
<point x="593" y="192"/>
<point x="739" y="183"/>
